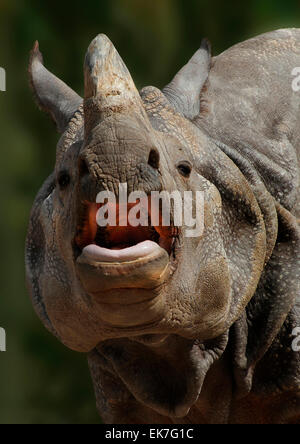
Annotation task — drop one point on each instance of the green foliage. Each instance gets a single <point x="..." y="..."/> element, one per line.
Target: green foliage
<point x="40" y="380"/>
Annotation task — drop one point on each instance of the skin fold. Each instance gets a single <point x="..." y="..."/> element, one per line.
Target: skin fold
<point x="201" y="330"/>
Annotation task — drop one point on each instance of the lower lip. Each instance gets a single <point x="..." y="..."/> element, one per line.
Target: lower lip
<point x="144" y="266"/>
<point x="141" y="250"/>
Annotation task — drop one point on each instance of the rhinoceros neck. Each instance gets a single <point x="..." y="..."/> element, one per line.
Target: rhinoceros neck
<point x="165" y="380"/>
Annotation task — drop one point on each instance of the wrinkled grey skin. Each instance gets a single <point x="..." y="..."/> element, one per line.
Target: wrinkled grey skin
<point x="209" y="341"/>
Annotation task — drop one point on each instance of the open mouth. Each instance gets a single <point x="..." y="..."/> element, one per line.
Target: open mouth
<point x="125" y="267"/>
<point x="123" y="256"/>
<point x="123" y="242"/>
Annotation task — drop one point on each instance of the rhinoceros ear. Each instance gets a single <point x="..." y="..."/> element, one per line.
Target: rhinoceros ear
<point x="184" y="90"/>
<point x="52" y="95"/>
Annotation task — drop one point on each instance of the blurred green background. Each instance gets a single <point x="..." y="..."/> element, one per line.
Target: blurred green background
<point x="40" y="380"/>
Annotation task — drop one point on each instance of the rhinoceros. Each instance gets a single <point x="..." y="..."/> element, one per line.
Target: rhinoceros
<point x="177" y="329"/>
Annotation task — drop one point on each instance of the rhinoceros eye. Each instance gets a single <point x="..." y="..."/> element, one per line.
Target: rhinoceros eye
<point x="184" y="169"/>
<point x="64" y="179"/>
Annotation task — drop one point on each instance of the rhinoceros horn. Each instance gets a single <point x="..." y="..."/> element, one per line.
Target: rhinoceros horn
<point x="109" y="88"/>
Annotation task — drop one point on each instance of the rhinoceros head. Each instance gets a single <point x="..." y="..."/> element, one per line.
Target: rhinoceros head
<point x="140" y="298"/>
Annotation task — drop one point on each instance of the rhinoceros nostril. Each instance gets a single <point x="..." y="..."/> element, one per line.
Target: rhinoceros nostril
<point x="153" y="159"/>
<point x="83" y="168"/>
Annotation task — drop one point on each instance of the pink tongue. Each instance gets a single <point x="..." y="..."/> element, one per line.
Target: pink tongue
<point x="100" y="254"/>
